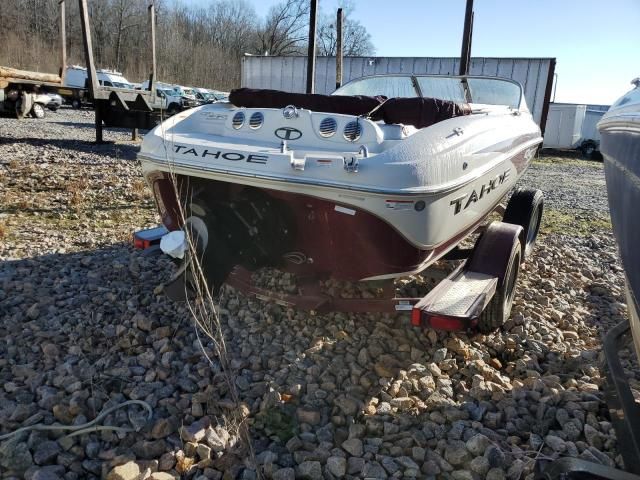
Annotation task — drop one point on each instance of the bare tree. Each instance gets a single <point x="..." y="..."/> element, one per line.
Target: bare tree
<point x="356" y="40"/>
<point x="196" y="44"/>
<point x="127" y="14"/>
<point x="285" y="29"/>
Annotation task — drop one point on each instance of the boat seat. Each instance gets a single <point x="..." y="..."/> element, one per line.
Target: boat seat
<point x="420" y="112"/>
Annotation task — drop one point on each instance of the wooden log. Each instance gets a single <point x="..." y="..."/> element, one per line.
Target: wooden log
<point x="26" y="75"/>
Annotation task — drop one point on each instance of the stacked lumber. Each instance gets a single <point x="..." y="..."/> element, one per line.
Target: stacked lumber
<point x="6" y="72"/>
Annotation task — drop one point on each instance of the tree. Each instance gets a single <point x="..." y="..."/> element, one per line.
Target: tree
<point x="356" y="40"/>
<point x="197" y="43"/>
<point x="285" y="29"/>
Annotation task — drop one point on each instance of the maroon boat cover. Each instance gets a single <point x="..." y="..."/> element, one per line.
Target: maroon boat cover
<point x="418" y="111"/>
<point x="348" y="105"/>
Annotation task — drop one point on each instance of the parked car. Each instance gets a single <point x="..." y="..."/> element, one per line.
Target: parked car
<point x="218" y="95"/>
<point x="76" y="76"/>
<point x="202" y="96"/>
<point x="185" y="92"/>
<point x="172" y="100"/>
<point x="40" y="102"/>
<point x="55" y="101"/>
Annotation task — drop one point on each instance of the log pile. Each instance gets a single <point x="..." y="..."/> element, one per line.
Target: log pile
<point x="6" y="72"/>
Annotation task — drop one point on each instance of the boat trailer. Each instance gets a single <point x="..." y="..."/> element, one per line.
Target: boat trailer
<point x="477" y="294"/>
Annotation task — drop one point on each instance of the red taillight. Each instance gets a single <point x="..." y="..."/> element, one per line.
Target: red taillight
<point x="445" y="323"/>
<point x="416" y="317"/>
<point x="141" y="243"/>
<point x="421" y="317"/>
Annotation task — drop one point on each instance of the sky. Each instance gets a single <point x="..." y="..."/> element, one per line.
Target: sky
<point x="596" y="42"/>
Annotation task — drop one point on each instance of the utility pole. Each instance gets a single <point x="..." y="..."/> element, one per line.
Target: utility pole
<point x="465" y="53"/>
<point x="339" y="49"/>
<point x="311" y="53"/>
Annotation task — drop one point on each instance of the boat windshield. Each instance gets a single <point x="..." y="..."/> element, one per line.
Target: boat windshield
<point x="485" y="90"/>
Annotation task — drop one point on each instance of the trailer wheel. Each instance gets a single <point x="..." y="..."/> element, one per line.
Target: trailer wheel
<point x="525" y="209"/>
<point x="589" y="150"/>
<point x="76" y="103"/>
<point x="497" y="312"/>
<point x="37" y="111"/>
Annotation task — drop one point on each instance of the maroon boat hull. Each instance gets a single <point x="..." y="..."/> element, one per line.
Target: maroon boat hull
<point x="326" y="243"/>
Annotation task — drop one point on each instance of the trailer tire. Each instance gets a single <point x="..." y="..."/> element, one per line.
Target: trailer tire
<point x="37" y="111"/>
<point x="525" y="208"/>
<point x="497" y="312"/>
<point x="76" y="103"/>
<point x="173" y="109"/>
<point x="588" y="150"/>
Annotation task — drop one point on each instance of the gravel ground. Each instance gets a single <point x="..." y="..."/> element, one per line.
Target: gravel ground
<point x="570" y="184"/>
<point x="85" y="326"/>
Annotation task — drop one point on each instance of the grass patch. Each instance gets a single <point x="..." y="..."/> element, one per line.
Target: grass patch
<point x="77" y="188"/>
<point x="575" y="161"/>
<point x="554" y="221"/>
<point x="4" y="231"/>
<point x="278" y="421"/>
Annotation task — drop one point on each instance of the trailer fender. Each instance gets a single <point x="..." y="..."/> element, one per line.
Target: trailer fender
<point x="489" y="252"/>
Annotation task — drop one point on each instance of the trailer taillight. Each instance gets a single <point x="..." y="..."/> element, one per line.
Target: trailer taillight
<point x="141" y="244"/>
<point x="416" y="317"/>
<point x="451" y="324"/>
<point x="420" y="318"/>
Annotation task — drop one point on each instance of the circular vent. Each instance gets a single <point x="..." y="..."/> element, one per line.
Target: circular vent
<point x="352" y="131"/>
<point x="238" y="120"/>
<point x="256" y="120"/>
<point x="328" y="127"/>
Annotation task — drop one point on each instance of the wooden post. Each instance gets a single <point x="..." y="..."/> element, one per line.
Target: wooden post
<point x="134" y="134"/>
<point x="97" y="107"/>
<point x="465" y="53"/>
<point x="152" y="25"/>
<point x="339" y="49"/>
<point x="311" y="53"/>
<point x="88" y="48"/>
<point x="91" y="68"/>
<point x="63" y="42"/>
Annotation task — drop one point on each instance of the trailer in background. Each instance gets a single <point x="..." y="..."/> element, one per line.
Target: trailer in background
<point x="572" y="126"/>
<point x="24" y="93"/>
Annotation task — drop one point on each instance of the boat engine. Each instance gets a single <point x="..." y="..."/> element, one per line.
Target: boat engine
<point x="244" y="227"/>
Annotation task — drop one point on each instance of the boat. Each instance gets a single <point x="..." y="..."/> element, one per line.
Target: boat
<point x="620" y="147"/>
<point x="378" y="180"/>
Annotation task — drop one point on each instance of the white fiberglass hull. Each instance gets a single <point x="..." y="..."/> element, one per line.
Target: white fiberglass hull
<point x="430" y="185"/>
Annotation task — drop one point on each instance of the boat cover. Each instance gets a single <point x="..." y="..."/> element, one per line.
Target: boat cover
<point x="420" y="112"/>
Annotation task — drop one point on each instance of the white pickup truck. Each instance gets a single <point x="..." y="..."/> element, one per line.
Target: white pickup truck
<point x="172" y="99"/>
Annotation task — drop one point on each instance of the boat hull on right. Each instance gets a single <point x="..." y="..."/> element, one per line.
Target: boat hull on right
<point x="620" y="147"/>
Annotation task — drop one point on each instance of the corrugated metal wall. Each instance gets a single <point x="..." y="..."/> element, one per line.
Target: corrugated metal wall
<point x="290" y="73"/>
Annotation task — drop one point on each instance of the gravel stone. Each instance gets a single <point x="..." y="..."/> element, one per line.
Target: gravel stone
<point x="310" y="470"/>
<point x="284" y="474"/>
<point x="128" y="471"/>
<point x="46" y="452"/>
<point x="496" y="474"/>
<point x="337" y="466"/>
<point x="478" y="444"/>
<point x="353" y="446"/>
<point x="456" y="453"/>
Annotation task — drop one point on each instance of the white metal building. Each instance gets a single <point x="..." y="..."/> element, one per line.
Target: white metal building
<point x="290" y="73"/>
